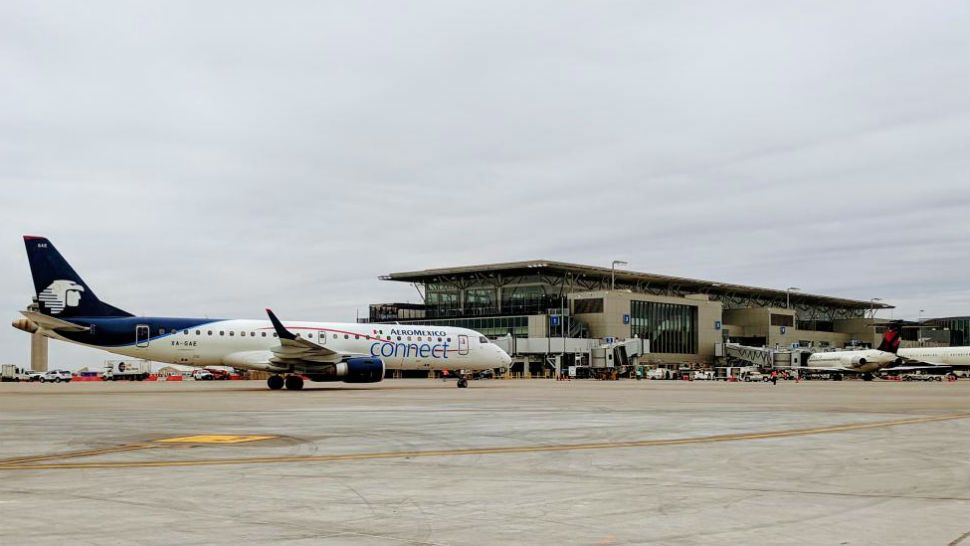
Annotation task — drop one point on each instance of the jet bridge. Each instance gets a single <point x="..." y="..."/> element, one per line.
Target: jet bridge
<point x="557" y="354"/>
<point x="765" y="357"/>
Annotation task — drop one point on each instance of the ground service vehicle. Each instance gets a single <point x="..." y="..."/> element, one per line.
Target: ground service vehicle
<point x="127" y="370"/>
<point x="10" y="372"/>
<point x="218" y="373"/>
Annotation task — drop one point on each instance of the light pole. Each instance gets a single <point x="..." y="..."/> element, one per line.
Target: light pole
<point x="613" y="272"/>
<point x="919" y="325"/>
<point x="788" y="292"/>
<point x="872" y="309"/>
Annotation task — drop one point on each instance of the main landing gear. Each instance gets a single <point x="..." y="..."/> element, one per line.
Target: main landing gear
<point x="867" y="377"/>
<point x="292" y="382"/>
<point x="462" y="383"/>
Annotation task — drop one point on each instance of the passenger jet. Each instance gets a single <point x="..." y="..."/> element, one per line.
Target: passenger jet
<point x="68" y="310"/>
<point x="887" y="356"/>
<point x="864" y="362"/>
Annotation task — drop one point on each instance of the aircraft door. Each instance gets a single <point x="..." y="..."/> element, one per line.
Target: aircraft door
<point x="142" y="335"/>
<point x="462" y="345"/>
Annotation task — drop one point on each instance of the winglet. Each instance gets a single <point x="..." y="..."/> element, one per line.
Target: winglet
<point x="278" y="326"/>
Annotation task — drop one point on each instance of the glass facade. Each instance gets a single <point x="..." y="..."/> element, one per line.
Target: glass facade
<point x="670" y="327"/>
<point x="489" y="326"/>
<point x="959" y="329"/>
<point x="445" y="300"/>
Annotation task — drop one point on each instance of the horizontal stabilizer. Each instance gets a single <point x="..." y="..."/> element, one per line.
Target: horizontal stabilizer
<point x="50" y="323"/>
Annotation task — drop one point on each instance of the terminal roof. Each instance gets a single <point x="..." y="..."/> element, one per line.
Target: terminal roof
<point x="578" y="271"/>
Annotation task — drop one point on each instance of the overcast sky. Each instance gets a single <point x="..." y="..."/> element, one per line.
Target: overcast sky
<point x="216" y="158"/>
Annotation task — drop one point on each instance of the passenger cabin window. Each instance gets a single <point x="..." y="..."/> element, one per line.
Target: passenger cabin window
<point x="264" y="334"/>
<point x="186" y="332"/>
<point x="198" y="332"/>
<point x="232" y="333"/>
<point x="161" y="330"/>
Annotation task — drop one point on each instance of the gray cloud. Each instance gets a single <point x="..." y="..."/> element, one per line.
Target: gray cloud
<point x="218" y="158"/>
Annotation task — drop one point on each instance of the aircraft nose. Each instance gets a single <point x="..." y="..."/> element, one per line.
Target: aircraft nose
<point x="504" y="358"/>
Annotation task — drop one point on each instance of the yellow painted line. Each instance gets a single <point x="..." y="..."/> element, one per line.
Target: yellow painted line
<point x="213" y="439"/>
<point x="75" y="454"/>
<point x="542" y="448"/>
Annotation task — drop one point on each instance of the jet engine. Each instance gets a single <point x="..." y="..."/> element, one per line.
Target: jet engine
<point x="352" y="370"/>
<point x="858" y="361"/>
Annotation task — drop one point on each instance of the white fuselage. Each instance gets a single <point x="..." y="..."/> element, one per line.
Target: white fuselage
<point x="247" y="344"/>
<point x="939" y="356"/>
<point x="865" y="361"/>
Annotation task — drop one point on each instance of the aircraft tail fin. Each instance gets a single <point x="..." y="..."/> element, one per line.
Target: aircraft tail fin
<point x="60" y="290"/>
<point x="891" y="338"/>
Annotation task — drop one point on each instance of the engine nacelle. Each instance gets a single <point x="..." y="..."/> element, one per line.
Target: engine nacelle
<point x="858" y="361"/>
<point x="352" y="370"/>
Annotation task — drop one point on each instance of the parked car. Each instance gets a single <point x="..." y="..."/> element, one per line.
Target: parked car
<point x="202" y="375"/>
<point x="56" y="376"/>
<point x="35" y="375"/>
<point x="754" y="376"/>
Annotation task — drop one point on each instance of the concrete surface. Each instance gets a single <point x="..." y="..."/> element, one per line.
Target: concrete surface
<point x="502" y="462"/>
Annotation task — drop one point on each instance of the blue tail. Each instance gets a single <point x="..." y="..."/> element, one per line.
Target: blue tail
<point x="60" y="290"/>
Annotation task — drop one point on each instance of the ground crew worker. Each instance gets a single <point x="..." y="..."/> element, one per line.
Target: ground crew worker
<point x="774" y="377"/>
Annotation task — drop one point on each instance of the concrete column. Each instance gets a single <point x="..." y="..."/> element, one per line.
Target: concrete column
<point x="38" y="353"/>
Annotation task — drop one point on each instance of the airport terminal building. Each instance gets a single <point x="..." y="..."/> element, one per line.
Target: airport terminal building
<point x="685" y="320"/>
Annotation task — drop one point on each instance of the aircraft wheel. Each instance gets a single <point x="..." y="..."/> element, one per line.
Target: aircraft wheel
<point x="867" y="377"/>
<point x="275" y="382"/>
<point x="294" y="383"/>
<point x="462" y="383"/>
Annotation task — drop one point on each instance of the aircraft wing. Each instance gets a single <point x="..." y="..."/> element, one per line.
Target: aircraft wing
<point x="926" y="362"/>
<point x="914" y="368"/>
<point x="830" y="369"/>
<point x="295" y="350"/>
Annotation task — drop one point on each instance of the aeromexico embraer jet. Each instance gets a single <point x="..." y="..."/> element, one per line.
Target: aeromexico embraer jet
<point x="68" y="310"/>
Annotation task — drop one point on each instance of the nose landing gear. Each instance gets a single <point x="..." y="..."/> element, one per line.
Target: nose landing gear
<point x="462" y="383"/>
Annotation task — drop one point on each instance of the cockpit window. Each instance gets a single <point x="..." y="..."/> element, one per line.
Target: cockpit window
<point x="483" y="340"/>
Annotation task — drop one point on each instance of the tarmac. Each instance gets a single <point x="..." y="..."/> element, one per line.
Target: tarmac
<point x="417" y="461"/>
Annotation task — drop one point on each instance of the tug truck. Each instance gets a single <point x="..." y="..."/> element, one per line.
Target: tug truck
<point x="127" y="370"/>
